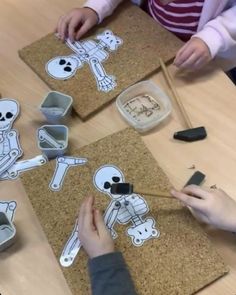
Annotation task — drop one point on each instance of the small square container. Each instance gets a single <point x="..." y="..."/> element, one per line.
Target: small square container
<point x="144" y="105"/>
<point x="56" y="107"/>
<point x="7" y="232"/>
<point x="53" y="140"/>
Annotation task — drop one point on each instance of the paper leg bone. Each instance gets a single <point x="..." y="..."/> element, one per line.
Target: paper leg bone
<point x="111" y="216"/>
<point x="63" y="164"/>
<point x="21" y="166"/>
<point x="14" y="153"/>
<point x="71" y="248"/>
<point x="105" y="82"/>
<point x="44" y="136"/>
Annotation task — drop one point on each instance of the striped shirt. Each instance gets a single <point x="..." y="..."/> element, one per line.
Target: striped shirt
<point x="181" y="17"/>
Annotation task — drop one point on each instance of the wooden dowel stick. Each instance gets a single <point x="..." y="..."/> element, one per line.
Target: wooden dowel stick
<point x="157" y="194"/>
<point x="175" y="94"/>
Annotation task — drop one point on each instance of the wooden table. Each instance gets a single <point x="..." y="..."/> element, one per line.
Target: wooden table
<point x="29" y="267"/>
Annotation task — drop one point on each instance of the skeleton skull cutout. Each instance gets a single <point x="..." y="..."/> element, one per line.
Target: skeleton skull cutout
<point x="105" y="176"/>
<point x="63" y="67"/>
<point x="112" y="42"/>
<point x="9" y="110"/>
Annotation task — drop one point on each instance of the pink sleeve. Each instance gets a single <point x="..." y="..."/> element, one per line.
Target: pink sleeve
<point x="103" y="8"/>
<point x="220" y="33"/>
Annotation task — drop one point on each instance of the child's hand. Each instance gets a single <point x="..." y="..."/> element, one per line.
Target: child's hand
<point x="76" y="23"/>
<point x="214" y="207"/>
<point x="194" y="55"/>
<point x="93" y="233"/>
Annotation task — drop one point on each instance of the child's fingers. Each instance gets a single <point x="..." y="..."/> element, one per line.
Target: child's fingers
<point x="196" y="191"/>
<point x="188" y="200"/>
<point x="83" y="29"/>
<point x="190" y="61"/>
<point x="59" y="25"/>
<point x="72" y="27"/>
<point x="182" y="49"/>
<point x="81" y="217"/>
<point x="202" y="61"/>
<point x="64" y="27"/>
<point x="183" y="54"/>
<point x="99" y="222"/>
<point x="88" y="213"/>
<point x="199" y="215"/>
<point x="186" y="54"/>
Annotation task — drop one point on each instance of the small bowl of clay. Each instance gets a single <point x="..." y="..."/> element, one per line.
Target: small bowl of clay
<point x="56" y="107"/>
<point x="144" y="105"/>
<point x="7" y="232"/>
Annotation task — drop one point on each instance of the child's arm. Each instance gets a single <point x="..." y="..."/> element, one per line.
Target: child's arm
<point x="214" y="207"/>
<point x="107" y="268"/>
<point x="217" y="36"/>
<point x="110" y="276"/>
<point x="103" y="8"/>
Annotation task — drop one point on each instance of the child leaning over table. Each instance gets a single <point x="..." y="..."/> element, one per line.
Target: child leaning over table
<point x="108" y="273"/>
<point x="207" y="26"/>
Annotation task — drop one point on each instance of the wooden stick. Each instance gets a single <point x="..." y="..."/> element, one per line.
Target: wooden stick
<point x="157" y="194"/>
<point x="175" y="94"/>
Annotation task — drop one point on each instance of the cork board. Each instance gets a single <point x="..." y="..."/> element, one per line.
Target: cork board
<point x="180" y="261"/>
<point x="143" y="41"/>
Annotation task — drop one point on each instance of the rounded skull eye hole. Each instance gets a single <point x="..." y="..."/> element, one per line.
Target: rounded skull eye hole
<point x="62" y="62"/>
<point x="9" y="115"/>
<point x="67" y="69"/>
<point x="0" y="115"/>
<point x="116" y="179"/>
<point x="107" y="185"/>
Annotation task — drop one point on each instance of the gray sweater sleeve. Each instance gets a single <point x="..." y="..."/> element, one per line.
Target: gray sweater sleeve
<point x="109" y="275"/>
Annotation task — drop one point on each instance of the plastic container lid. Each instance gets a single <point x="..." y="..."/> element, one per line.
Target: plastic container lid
<point x="144" y="105"/>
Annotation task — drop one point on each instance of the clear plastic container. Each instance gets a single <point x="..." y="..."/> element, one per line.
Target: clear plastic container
<point x="144" y="105"/>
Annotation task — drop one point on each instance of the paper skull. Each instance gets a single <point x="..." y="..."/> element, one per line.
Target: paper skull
<point x="63" y="67"/>
<point x="9" y="110"/>
<point x="105" y="176"/>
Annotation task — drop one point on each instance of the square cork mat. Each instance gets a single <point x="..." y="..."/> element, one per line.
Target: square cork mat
<point x="181" y="261"/>
<point x="144" y="40"/>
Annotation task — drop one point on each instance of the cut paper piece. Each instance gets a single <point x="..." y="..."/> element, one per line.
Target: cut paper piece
<point x="71" y="248"/>
<point x="124" y="208"/>
<point x="89" y="52"/>
<point x="9" y="208"/>
<point x="44" y="136"/>
<point x="14" y="171"/>
<point x="10" y="149"/>
<point x="62" y="166"/>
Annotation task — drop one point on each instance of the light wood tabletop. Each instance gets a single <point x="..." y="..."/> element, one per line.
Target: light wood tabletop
<point x="30" y="267"/>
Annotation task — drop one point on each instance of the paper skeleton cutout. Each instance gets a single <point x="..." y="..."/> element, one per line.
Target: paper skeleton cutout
<point x="62" y="166"/>
<point x="122" y="209"/>
<point x="10" y="149"/>
<point x="90" y="52"/>
<point x="8" y="207"/>
<point x="125" y="209"/>
<point x="16" y="169"/>
<point x="71" y="248"/>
